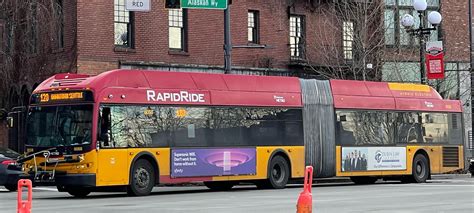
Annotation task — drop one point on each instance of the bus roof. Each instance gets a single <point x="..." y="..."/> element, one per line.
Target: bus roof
<point x="162" y="87"/>
<point x="350" y="94"/>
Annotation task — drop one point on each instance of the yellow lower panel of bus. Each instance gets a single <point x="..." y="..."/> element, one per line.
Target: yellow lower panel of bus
<point x="435" y="155"/>
<point x="115" y="164"/>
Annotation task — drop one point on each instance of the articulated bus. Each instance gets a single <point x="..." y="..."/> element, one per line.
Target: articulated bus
<point x="131" y="130"/>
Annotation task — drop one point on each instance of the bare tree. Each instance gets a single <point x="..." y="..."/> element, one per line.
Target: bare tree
<point x="348" y="40"/>
<point x="33" y="47"/>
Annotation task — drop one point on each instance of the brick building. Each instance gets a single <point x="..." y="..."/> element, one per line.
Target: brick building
<point x="315" y="38"/>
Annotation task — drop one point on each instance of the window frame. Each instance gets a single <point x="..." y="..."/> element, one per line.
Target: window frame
<point x="346" y="39"/>
<point x="297" y="50"/>
<point x="130" y="26"/>
<point x="255" y="28"/>
<point x="184" y="31"/>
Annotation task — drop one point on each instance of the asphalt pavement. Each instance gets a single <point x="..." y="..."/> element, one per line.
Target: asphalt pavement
<point x="452" y="193"/>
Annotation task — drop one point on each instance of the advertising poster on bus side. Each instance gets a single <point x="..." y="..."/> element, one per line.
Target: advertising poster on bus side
<point x="373" y="158"/>
<point x="213" y="162"/>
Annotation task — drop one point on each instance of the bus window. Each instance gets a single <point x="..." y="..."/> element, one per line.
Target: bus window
<point x="435" y="126"/>
<point x="409" y="128"/>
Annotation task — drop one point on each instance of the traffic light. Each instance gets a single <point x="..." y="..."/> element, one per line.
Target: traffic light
<point x="173" y="4"/>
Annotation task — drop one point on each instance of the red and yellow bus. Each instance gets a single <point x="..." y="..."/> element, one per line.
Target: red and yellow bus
<point x="132" y="130"/>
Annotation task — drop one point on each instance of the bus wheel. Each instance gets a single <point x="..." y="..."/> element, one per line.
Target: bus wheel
<point x="78" y="192"/>
<point x="142" y="178"/>
<point x="11" y="187"/>
<point x="363" y="180"/>
<point x="278" y="174"/>
<point x="219" y="185"/>
<point x="420" y="169"/>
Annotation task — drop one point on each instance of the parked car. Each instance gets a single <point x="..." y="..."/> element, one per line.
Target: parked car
<point x="9" y="170"/>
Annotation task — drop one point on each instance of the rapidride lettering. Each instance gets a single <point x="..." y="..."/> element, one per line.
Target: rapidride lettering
<point x="182" y="96"/>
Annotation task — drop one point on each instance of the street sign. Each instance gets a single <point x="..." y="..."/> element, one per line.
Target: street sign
<point x="434" y="60"/>
<point x="435" y="66"/>
<point x="204" y="4"/>
<point x="137" y="5"/>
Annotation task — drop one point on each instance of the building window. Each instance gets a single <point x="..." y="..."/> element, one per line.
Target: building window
<point x="348" y="39"/>
<point x="60" y="24"/>
<point x="177" y="29"/>
<point x="395" y="34"/>
<point x="253" y="27"/>
<point x="297" y="32"/>
<point x="123" y="25"/>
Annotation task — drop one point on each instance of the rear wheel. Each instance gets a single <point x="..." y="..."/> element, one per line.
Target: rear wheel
<point x="278" y="172"/>
<point x="363" y="180"/>
<point x="142" y="178"/>
<point x="420" y="170"/>
<point x="219" y="185"/>
<point x="11" y="187"/>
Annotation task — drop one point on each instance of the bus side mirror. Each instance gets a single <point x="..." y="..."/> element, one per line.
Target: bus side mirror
<point x="10" y="122"/>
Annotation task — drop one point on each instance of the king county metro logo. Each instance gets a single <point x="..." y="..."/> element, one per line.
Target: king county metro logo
<point x="378" y="156"/>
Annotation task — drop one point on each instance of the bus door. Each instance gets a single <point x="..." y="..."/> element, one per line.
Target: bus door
<point x="112" y="158"/>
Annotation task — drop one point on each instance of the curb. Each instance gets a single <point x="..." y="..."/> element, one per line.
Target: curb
<point x="450" y="176"/>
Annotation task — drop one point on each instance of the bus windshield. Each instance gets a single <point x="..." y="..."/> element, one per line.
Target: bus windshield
<point x="50" y="126"/>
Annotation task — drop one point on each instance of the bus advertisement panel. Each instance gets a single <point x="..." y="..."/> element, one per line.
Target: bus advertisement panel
<point x="213" y="162"/>
<point x="373" y="158"/>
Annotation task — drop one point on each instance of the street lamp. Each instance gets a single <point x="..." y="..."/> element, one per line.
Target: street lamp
<point x="408" y="21"/>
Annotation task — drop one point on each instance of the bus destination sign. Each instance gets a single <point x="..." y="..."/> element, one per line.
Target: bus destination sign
<point x="61" y="97"/>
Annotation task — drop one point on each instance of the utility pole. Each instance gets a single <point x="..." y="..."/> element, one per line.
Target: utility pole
<point x="227" y="42"/>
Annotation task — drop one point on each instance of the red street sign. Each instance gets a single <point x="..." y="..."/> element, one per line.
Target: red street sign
<point x="435" y="66"/>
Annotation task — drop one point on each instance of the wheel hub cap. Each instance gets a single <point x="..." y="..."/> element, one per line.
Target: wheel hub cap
<point x="142" y="177"/>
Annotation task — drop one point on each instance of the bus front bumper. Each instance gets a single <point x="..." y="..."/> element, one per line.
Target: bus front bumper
<point x="44" y="179"/>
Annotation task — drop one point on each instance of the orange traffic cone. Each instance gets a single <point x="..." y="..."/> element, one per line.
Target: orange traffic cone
<point x="24" y="206"/>
<point x="305" y="200"/>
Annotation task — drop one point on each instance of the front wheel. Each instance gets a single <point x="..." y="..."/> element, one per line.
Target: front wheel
<point x="11" y="187"/>
<point x="142" y="178"/>
<point x="278" y="174"/>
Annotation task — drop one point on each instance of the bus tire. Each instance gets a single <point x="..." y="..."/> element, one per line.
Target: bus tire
<point x="363" y="180"/>
<point x="219" y="185"/>
<point x="142" y="178"/>
<point x="278" y="174"/>
<point x="420" y="169"/>
<point x="78" y="192"/>
<point x="11" y="187"/>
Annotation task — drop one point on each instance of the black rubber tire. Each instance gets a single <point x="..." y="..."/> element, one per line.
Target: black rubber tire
<point x="78" y="192"/>
<point x="361" y="180"/>
<point x="278" y="174"/>
<point x="420" y="169"/>
<point x="142" y="178"/>
<point x="219" y="185"/>
<point x="11" y="187"/>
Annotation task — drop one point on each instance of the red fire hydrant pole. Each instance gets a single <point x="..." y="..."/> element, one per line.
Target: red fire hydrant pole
<point x="305" y="200"/>
<point x="24" y="206"/>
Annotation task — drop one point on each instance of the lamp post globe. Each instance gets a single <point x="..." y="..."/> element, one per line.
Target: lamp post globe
<point x="435" y="18"/>
<point x="407" y="21"/>
<point x="420" y="5"/>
